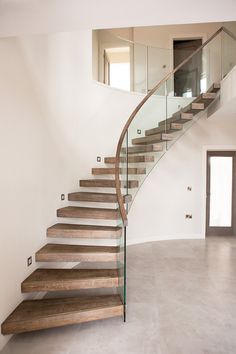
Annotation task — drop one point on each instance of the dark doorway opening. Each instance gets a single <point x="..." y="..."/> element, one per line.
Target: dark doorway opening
<point x="188" y="78"/>
<point x="221" y="193"/>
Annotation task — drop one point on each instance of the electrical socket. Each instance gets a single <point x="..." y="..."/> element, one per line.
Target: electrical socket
<point x="29" y="261"/>
<point x="62" y="196"/>
<point x="99" y="159"/>
<point x="139" y="131"/>
<point x="188" y="216"/>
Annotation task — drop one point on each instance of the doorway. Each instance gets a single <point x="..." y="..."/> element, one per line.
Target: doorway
<point x="221" y="196"/>
<point x="117" y="67"/>
<point x="188" y="78"/>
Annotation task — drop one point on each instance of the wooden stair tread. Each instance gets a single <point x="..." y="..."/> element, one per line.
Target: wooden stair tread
<point x="185" y="114"/>
<point x="215" y="87"/>
<point x="88" y="213"/>
<point x="159" y="137"/>
<point x="97" y="197"/>
<point x="143" y="149"/>
<point x="168" y="127"/>
<point x="178" y="117"/>
<point x="84" y="231"/>
<point x="111" y="171"/>
<point x="69" y="279"/>
<point x="33" y="315"/>
<point x="107" y="183"/>
<point x="131" y="159"/>
<point x="76" y="253"/>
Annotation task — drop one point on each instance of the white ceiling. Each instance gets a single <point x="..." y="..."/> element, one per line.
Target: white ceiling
<point x="45" y="16"/>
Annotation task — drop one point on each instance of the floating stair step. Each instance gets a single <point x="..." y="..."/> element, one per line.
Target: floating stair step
<point x="88" y="213"/>
<point x="206" y="99"/>
<point x="111" y="171"/>
<point x="107" y="183"/>
<point x="32" y="315"/>
<point x="73" y="253"/>
<point x="214" y="88"/>
<point x="182" y="117"/>
<point x="208" y="96"/>
<point x="178" y="117"/>
<point x="97" y="197"/>
<point x="187" y="113"/>
<point x="143" y="149"/>
<point x="156" y="138"/>
<point x="84" y="231"/>
<point x="168" y="127"/>
<point x="131" y="159"/>
<point x="69" y="279"/>
<point x="195" y="106"/>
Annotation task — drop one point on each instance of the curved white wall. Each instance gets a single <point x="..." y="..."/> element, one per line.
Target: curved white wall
<point x="159" y="209"/>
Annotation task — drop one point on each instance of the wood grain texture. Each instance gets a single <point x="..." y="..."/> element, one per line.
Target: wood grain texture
<point x="131" y="159"/>
<point x="168" y="127"/>
<point x="152" y="139"/>
<point x="215" y="87"/>
<point x="197" y="106"/>
<point x="107" y="183"/>
<point x="143" y="149"/>
<point x="88" y="213"/>
<point x="178" y="117"/>
<point x="75" y="253"/>
<point x="208" y="96"/>
<point x="111" y="171"/>
<point x="34" y="315"/>
<point x="61" y="230"/>
<point x="97" y="197"/>
<point x="69" y="279"/>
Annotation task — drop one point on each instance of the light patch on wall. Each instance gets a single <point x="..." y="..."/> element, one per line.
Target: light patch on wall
<point x="118" y="61"/>
<point x="120" y="75"/>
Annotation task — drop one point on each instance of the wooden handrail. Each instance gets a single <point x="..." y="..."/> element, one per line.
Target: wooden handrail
<point x="137" y="109"/>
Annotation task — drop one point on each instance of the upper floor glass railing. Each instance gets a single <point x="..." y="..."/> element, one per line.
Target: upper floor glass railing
<point x="127" y="65"/>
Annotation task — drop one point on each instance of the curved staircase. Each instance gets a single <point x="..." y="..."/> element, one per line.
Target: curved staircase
<point x="135" y="156"/>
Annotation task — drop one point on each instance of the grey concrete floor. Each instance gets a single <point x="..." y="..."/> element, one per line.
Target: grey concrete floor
<point x="181" y="300"/>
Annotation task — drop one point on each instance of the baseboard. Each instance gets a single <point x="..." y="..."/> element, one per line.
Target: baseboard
<point x="134" y="241"/>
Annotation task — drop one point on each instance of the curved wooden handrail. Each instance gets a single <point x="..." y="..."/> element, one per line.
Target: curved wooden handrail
<point x="137" y="109"/>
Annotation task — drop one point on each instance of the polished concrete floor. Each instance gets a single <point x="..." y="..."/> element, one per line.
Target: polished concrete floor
<point x="181" y="300"/>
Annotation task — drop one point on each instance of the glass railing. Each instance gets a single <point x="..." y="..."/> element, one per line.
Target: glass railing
<point x="167" y="112"/>
<point x="124" y="64"/>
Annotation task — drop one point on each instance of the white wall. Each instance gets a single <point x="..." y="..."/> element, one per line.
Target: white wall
<point x="27" y="16"/>
<point x="22" y="187"/>
<point x="165" y="193"/>
<point x="54" y="122"/>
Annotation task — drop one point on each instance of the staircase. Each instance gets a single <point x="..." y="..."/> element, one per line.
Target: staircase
<point x="135" y="156"/>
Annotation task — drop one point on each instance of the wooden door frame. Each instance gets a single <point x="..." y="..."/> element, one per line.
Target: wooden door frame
<point x="106" y="68"/>
<point x="221" y="231"/>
